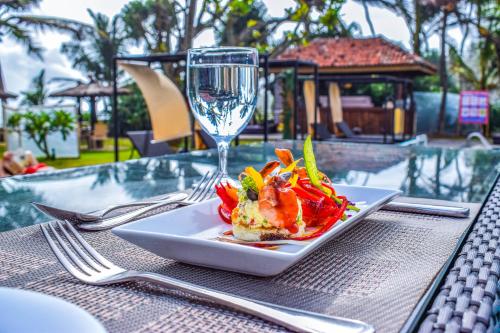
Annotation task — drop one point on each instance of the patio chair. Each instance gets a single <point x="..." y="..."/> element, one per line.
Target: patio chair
<point x="100" y="134"/>
<point x="167" y="108"/>
<point x="142" y="141"/>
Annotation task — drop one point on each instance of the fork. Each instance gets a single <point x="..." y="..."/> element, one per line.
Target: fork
<point x="203" y="191"/>
<point x="76" y="217"/>
<point x="85" y="264"/>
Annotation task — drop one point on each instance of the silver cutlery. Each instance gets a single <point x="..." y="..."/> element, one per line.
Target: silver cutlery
<point x="85" y="264"/>
<point x="203" y="191"/>
<point x="76" y="217"/>
<point x="438" y="210"/>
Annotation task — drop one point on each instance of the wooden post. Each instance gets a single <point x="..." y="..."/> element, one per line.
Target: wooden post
<point x="115" y="112"/>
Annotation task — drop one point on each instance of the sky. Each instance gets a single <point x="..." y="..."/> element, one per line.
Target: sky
<point x="19" y="68"/>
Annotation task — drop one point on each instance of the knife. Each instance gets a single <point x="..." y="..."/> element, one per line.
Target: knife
<point x="415" y="208"/>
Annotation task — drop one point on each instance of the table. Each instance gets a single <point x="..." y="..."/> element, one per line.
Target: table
<point x="448" y="174"/>
<point x="389" y="262"/>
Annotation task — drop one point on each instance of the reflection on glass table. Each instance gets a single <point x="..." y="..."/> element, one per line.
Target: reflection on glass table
<point x="464" y="175"/>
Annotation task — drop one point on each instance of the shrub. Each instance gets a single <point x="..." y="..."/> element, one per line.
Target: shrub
<point x="39" y="125"/>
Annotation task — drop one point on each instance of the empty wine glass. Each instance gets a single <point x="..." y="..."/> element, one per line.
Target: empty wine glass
<point x="222" y="92"/>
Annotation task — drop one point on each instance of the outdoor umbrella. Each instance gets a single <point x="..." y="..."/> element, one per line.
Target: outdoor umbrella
<point x="92" y="90"/>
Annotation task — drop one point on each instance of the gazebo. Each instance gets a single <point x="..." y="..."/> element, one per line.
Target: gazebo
<point x="91" y="90"/>
<point x="349" y="61"/>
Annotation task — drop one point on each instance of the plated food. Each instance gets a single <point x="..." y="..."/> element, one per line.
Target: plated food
<point x="288" y="199"/>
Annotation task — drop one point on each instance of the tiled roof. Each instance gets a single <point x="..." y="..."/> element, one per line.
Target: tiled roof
<point x="356" y="53"/>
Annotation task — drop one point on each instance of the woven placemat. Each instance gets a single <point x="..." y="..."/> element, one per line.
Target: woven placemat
<point x="375" y="272"/>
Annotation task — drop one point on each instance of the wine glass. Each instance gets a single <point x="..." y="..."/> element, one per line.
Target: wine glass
<point x="222" y="92"/>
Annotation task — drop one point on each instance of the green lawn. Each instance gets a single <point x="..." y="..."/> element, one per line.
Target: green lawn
<point x="90" y="157"/>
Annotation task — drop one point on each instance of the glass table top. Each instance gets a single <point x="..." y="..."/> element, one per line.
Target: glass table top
<point x="463" y="175"/>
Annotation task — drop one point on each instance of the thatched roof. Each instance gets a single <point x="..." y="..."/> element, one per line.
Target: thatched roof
<point x="92" y="89"/>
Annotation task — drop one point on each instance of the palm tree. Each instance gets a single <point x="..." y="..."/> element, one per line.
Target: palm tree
<point x="38" y="94"/>
<point x="17" y="24"/>
<point x="94" y="52"/>
<point x="416" y="14"/>
<point x="486" y="21"/>
<point x="482" y="73"/>
<point x="153" y="23"/>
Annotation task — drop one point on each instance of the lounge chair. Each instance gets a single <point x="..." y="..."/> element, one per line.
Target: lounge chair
<point x="349" y="136"/>
<point x="167" y="108"/>
<point x="142" y="142"/>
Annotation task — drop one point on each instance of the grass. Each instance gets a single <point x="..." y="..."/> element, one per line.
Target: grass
<point x="93" y="157"/>
<point x="90" y="157"/>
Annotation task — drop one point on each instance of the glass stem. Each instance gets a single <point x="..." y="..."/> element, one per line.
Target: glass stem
<point x="223" y="147"/>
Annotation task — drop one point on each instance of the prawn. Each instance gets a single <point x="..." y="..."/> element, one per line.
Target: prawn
<point x="278" y="204"/>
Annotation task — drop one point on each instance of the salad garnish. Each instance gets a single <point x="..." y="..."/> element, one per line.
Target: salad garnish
<point x="282" y="201"/>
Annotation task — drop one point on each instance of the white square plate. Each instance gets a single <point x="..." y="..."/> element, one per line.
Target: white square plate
<point x="188" y="235"/>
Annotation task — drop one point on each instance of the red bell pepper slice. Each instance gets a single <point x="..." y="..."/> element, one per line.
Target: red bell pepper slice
<point x="336" y="217"/>
<point x="228" y="196"/>
<point x="224" y="213"/>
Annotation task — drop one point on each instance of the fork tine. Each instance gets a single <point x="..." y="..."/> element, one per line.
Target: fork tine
<point x="93" y="253"/>
<point x="62" y="259"/>
<point x="69" y="253"/>
<point x="202" y="189"/>
<point x="210" y="188"/>
<point x="79" y="250"/>
<point x="195" y="191"/>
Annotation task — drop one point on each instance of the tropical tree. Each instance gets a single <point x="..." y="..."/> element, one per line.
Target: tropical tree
<point x="93" y="53"/>
<point x="446" y="7"/>
<point x="17" y="24"/>
<point x="247" y="23"/>
<point x="481" y="73"/>
<point x="39" y="125"/>
<point x="133" y="110"/>
<point x="152" y="23"/>
<point x="432" y="83"/>
<point x="486" y="21"/>
<point x="417" y="14"/>
<point x="38" y="92"/>
<point x="171" y="26"/>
